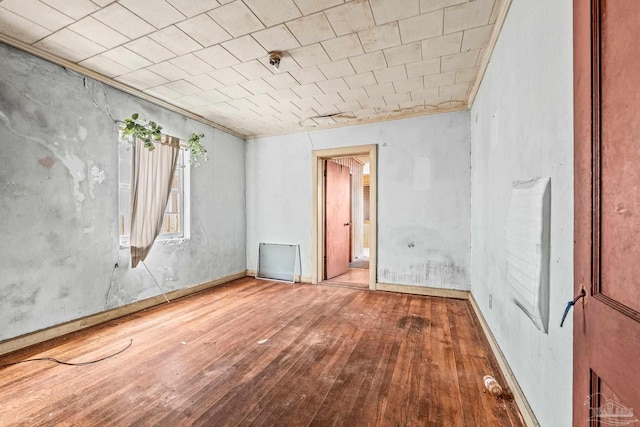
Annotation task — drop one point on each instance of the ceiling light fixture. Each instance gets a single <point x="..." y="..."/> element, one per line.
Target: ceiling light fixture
<point x="274" y="59"/>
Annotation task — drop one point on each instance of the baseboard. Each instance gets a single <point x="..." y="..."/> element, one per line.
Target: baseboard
<point x="423" y="290"/>
<point x="521" y="401"/>
<point x="298" y="278"/>
<point x="13" y="344"/>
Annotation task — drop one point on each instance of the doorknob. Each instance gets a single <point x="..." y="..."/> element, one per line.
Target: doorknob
<point x="571" y="303"/>
<point x="347" y="224"/>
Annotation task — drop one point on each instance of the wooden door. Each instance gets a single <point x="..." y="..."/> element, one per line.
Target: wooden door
<point x="606" y="389"/>
<point x="337" y="219"/>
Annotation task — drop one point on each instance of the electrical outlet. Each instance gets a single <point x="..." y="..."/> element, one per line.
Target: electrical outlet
<point x="491" y="301"/>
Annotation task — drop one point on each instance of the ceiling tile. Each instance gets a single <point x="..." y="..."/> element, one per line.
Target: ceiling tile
<point x="377" y="91"/>
<point x="403" y="54"/>
<point x="175" y="40"/>
<point x="467" y="15"/>
<point x="127" y="58"/>
<point x="191" y="8"/>
<point x="361" y="80"/>
<point x="441" y="46"/>
<point x="105" y="66"/>
<point x="311" y="29"/>
<point x="308" y="56"/>
<point x="123" y="21"/>
<point x="67" y="44"/>
<point x="373" y="102"/>
<point x="141" y="79"/>
<point x="423" y="68"/>
<point x="353" y="94"/>
<point x="98" y="32"/>
<point x="244" y="48"/>
<point x="380" y="37"/>
<point x="191" y="64"/>
<point x="217" y="57"/>
<point x="73" y="8"/>
<point x="458" y="92"/>
<point x="183" y="87"/>
<point x="427" y="95"/>
<point x="441" y="79"/>
<point x="252" y="70"/>
<point x="333" y="85"/>
<point x="169" y="71"/>
<point x="466" y="75"/>
<point x="158" y="13"/>
<point x="495" y="12"/>
<point x="385" y="11"/>
<point x="236" y="18"/>
<point x="333" y="70"/>
<point x="330" y="98"/>
<point x="459" y="60"/>
<point x="350" y="17"/>
<point x="347" y="106"/>
<point x="308" y="7"/>
<point x="431" y="5"/>
<point x="277" y="38"/>
<point x="308" y="75"/>
<point x="343" y="47"/>
<point x="368" y="62"/>
<point x="38" y="12"/>
<point x="306" y="91"/>
<point x="103" y="3"/>
<point x="214" y="96"/>
<point x="195" y="100"/>
<point x="397" y="98"/>
<point x="408" y="85"/>
<point x="20" y="28"/>
<point x="235" y="91"/>
<point x="272" y="12"/>
<point x="204" y="82"/>
<point x="391" y="74"/>
<point x="257" y="87"/>
<point x="163" y="92"/>
<point x="227" y="76"/>
<point x="421" y="27"/>
<point x="204" y="30"/>
<point x="262" y="100"/>
<point x="150" y="49"/>
<point x="476" y="38"/>
<point x="281" y="81"/>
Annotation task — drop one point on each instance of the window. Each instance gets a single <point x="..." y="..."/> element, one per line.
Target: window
<point x="176" y="215"/>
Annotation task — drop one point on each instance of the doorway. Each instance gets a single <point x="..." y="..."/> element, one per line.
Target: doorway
<point x="323" y="233"/>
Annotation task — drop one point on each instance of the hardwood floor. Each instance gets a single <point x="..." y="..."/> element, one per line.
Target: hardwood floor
<point x="262" y="353"/>
<point x="354" y="277"/>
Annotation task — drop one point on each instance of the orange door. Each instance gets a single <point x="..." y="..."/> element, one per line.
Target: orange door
<point x="337" y="219"/>
<point x="606" y="389"/>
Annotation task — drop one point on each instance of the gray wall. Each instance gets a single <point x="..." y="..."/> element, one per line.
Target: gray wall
<point x="59" y="200"/>
<point x="423" y="196"/>
<point x="521" y="128"/>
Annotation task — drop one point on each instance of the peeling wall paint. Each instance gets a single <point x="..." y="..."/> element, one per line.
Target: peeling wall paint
<point x="59" y="200"/>
<point x="423" y="205"/>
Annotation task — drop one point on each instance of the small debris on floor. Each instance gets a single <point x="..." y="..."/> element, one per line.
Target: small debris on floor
<point x="263" y="341"/>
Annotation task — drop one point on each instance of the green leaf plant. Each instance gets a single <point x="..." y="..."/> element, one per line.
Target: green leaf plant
<point x="150" y="132"/>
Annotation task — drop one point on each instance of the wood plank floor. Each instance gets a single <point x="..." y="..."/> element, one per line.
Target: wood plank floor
<point x="262" y="353"/>
<point x="354" y="277"/>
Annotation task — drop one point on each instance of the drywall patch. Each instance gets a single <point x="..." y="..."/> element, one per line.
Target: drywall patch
<point x="97" y="177"/>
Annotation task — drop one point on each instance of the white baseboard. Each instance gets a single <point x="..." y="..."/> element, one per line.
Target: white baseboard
<point x="525" y="410"/>
<point x="17" y="343"/>
<point x="298" y="278"/>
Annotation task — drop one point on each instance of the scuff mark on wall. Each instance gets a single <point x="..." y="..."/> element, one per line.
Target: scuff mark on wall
<point x="97" y="177"/>
<point x="431" y="273"/>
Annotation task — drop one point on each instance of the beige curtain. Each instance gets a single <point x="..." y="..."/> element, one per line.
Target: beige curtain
<point x="151" y="175"/>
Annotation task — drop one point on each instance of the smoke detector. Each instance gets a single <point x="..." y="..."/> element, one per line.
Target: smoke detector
<point x="274" y="59"/>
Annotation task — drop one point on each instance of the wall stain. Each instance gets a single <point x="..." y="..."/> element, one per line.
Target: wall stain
<point x="47" y="162"/>
<point x="431" y="273"/>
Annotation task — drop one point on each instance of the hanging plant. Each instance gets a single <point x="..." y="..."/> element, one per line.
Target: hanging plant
<point x="150" y="132"/>
<point x="146" y="132"/>
<point x="196" y="149"/>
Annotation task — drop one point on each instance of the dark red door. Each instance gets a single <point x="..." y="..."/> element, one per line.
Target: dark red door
<point x="607" y="212"/>
<point x="337" y="219"/>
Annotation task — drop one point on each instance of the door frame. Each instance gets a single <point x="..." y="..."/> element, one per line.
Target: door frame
<point x="317" y="229"/>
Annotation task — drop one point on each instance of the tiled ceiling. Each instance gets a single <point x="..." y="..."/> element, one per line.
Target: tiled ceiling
<point x="344" y="62"/>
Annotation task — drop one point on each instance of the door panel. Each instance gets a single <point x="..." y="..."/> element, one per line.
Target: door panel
<point x="337" y="219"/>
<point x="607" y="212"/>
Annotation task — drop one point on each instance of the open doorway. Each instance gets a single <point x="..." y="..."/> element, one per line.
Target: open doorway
<point x="343" y="244"/>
